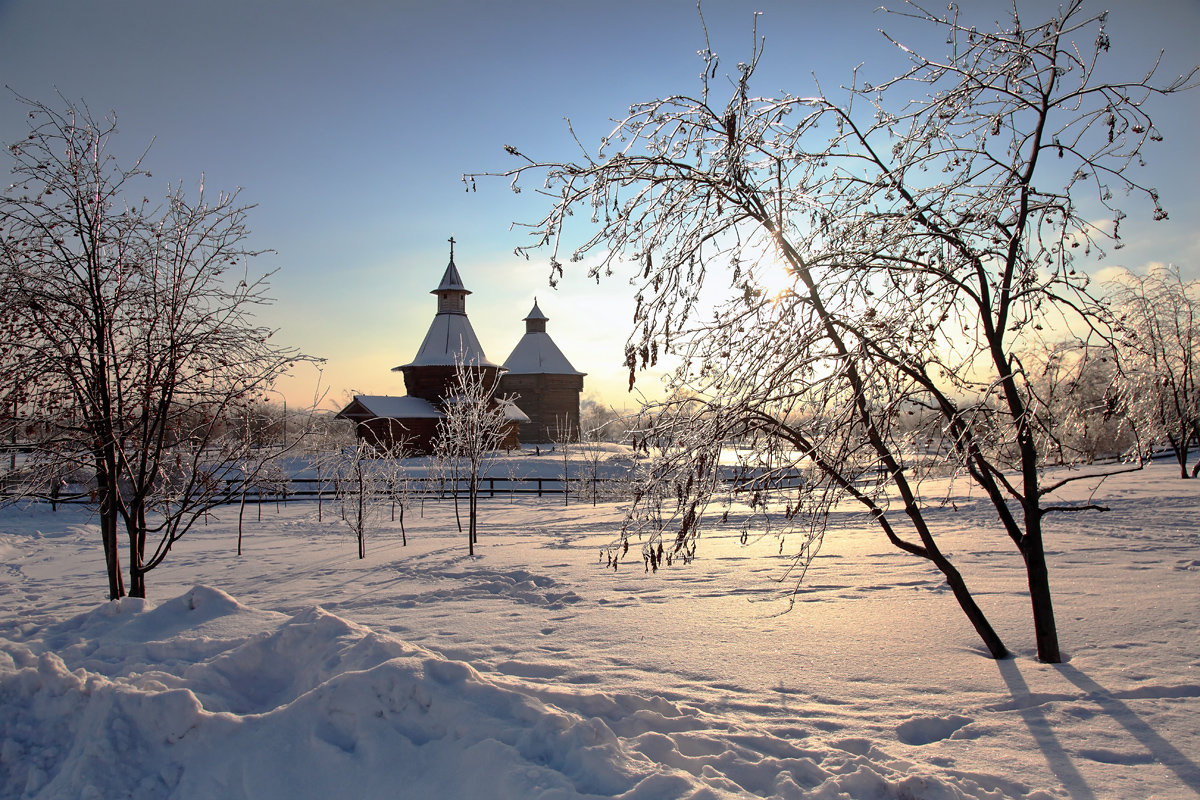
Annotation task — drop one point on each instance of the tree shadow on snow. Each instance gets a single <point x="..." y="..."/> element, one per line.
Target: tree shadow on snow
<point x="1163" y="751"/>
<point x="1030" y="708"/>
<point x="1029" y="705"/>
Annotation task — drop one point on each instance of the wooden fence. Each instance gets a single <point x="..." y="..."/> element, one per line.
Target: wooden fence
<point x="312" y="488"/>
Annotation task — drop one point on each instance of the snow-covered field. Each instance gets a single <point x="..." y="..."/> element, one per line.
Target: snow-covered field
<point x="532" y="671"/>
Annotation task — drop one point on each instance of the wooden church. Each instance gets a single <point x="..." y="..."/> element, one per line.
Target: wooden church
<point x="537" y="387"/>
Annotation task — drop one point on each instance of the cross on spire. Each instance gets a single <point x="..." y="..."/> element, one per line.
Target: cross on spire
<point x="451" y="240"/>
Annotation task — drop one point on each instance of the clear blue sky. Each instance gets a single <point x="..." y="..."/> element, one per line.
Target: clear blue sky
<point x="349" y="124"/>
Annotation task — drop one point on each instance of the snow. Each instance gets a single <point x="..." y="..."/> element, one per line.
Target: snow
<point x="535" y="313"/>
<point x="531" y="671"/>
<point x="451" y="280"/>
<point x="537" y="353"/>
<point x="450" y="340"/>
<point x="402" y="407"/>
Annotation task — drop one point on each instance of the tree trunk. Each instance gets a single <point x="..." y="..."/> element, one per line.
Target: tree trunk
<point x="137" y="582"/>
<point x="320" y="495"/>
<point x="454" y="492"/>
<point x="472" y="495"/>
<point x="1180" y="448"/>
<point x="1044" y="628"/>
<point x="975" y="615"/>
<point x="108" y="531"/>
<point x="241" y="513"/>
<point x="112" y="556"/>
<point x="474" y="513"/>
<point x="362" y="544"/>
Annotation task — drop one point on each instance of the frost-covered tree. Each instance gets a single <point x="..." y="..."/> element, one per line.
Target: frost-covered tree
<point x="475" y="426"/>
<point x="132" y="325"/>
<point x="363" y="484"/>
<point x="564" y="437"/>
<point x="401" y="488"/>
<point x="1160" y="351"/>
<point x="604" y="422"/>
<point x="818" y="266"/>
<point x="592" y="451"/>
<point x="325" y="437"/>
<point x="1079" y="388"/>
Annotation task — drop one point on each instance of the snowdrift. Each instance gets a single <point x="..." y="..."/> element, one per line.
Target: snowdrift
<point x="532" y="671"/>
<point x="203" y="697"/>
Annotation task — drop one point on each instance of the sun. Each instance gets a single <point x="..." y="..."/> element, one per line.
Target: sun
<point x="775" y="278"/>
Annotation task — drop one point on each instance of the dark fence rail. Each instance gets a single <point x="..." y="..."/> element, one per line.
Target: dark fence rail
<point x="314" y="488"/>
<point x="303" y="488"/>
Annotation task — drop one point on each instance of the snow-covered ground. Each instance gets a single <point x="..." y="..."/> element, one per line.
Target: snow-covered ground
<point x="532" y="671"/>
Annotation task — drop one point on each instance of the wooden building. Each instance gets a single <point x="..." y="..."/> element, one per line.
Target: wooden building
<point x="384" y="422"/>
<point x="430" y="378"/>
<point x="542" y="381"/>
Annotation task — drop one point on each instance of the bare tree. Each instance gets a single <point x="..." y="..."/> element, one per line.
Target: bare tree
<point x="445" y="465"/>
<point x="133" y="323"/>
<point x="560" y="443"/>
<point x="400" y="485"/>
<point x="592" y="450"/>
<point x="363" y="484"/>
<point x="475" y="426"/>
<point x="325" y="437"/>
<point x="1160" y="351"/>
<point x="897" y="248"/>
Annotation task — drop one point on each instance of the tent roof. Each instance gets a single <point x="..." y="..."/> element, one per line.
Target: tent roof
<point x="450" y="340"/>
<point x="451" y="280"/>
<point x="536" y="353"/>
<point x="536" y="313"/>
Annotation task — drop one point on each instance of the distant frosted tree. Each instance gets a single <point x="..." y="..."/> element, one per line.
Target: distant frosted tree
<point x="401" y="488"/>
<point x="1088" y="415"/>
<point x="363" y="485"/>
<point x="1160" y="349"/>
<point x="325" y="438"/>
<point x="605" y="422"/>
<point x="819" y="266"/>
<point x="474" y="427"/>
<point x="592" y="450"/>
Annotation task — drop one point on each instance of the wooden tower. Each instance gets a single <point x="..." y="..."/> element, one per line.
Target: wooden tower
<point x="543" y="383"/>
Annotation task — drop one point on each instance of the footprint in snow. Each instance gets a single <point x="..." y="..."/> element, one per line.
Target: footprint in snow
<point x="926" y="730"/>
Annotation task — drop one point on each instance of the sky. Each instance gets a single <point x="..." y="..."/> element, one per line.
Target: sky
<point x="350" y="124"/>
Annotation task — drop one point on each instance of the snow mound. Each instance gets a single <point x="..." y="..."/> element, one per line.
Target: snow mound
<point x="316" y="706"/>
<point x="313" y="707"/>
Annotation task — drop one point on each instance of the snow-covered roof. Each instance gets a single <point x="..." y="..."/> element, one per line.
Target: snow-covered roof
<point x="536" y="354"/>
<point x="536" y="313"/>
<point x="387" y="407"/>
<point x="451" y="280"/>
<point x="450" y="340"/>
<point x="511" y="412"/>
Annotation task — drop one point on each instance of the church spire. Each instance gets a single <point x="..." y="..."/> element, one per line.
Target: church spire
<point x="535" y="322"/>
<point x="451" y="292"/>
<point x="450" y="338"/>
